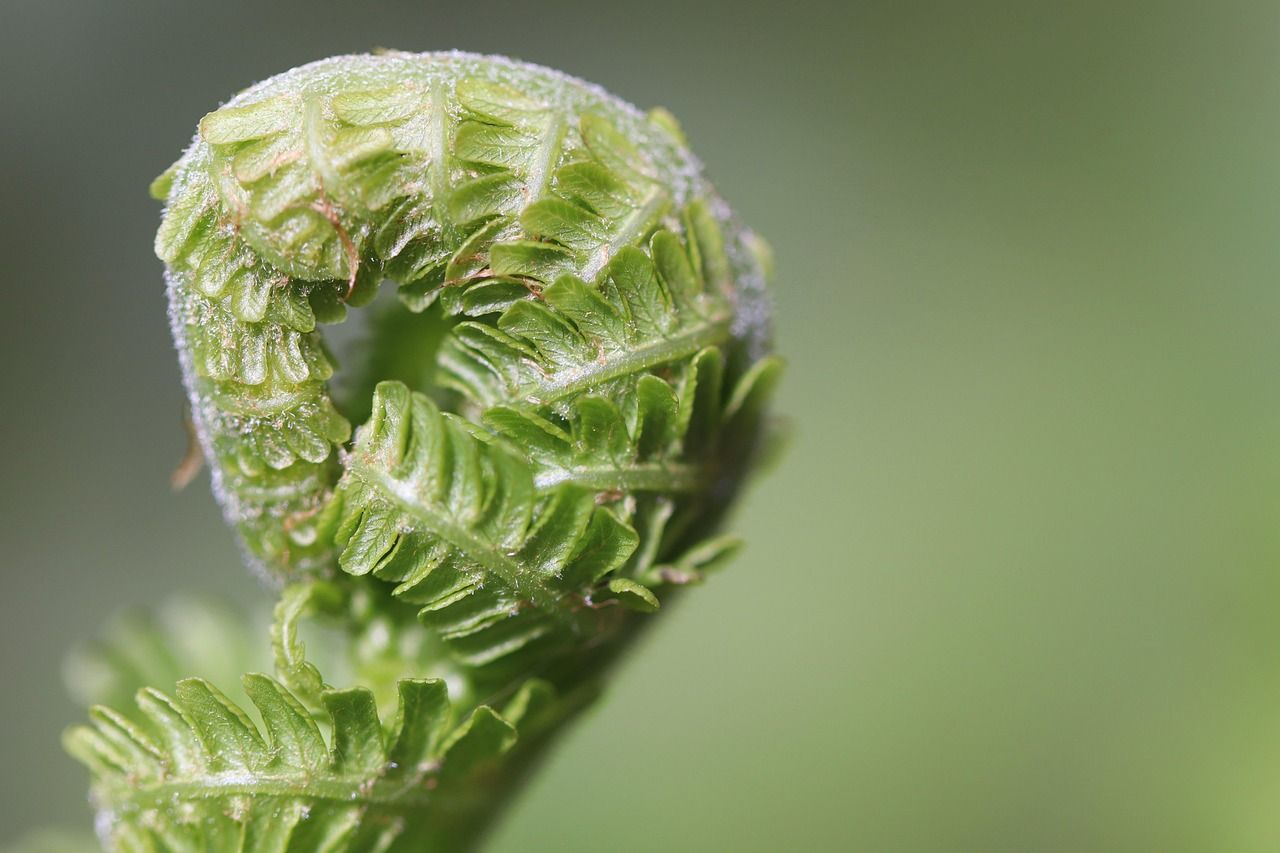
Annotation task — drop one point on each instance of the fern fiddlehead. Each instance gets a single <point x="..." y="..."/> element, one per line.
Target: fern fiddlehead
<point x="580" y="407"/>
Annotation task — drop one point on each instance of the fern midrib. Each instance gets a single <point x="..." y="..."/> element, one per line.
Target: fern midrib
<point x="284" y="491"/>
<point x="643" y="477"/>
<point x="437" y="130"/>
<point x="490" y="558"/>
<point x="639" y="357"/>
<point x="281" y="401"/>
<point x="632" y="228"/>
<point x="312" y="123"/>
<point x="548" y="152"/>
<point x="369" y="790"/>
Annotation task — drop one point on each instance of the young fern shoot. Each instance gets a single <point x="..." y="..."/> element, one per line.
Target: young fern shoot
<point x="549" y="463"/>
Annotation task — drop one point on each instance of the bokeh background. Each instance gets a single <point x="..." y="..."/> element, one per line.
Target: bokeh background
<point x="1012" y="588"/>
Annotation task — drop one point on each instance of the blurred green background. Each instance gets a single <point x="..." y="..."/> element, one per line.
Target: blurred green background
<point x="1014" y="586"/>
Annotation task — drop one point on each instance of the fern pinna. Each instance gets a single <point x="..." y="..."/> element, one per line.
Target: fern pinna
<point x="549" y="458"/>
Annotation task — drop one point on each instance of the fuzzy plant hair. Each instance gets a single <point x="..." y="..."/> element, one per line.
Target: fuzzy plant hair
<point x="553" y="419"/>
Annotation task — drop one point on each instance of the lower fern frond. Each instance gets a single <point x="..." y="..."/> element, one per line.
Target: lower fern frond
<point x="192" y="771"/>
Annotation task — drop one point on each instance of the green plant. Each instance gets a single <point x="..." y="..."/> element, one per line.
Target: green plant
<point x="558" y="424"/>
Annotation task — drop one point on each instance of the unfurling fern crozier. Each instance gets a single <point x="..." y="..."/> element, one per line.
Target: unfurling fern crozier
<point x="577" y="371"/>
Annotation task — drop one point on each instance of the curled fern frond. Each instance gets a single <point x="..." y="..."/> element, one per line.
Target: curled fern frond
<point x="547" y="462"/>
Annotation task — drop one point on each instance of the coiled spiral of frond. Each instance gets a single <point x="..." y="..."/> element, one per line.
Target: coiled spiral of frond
<point x="571" y="392"/>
